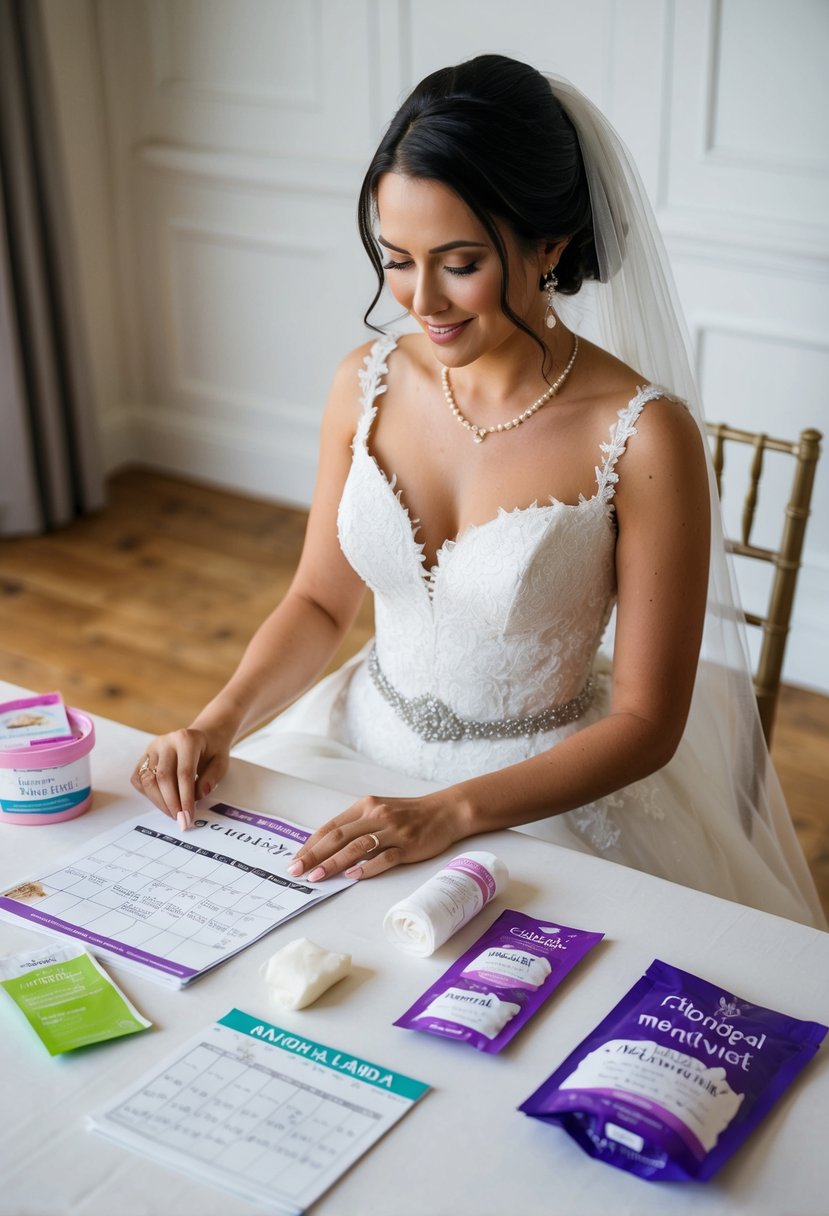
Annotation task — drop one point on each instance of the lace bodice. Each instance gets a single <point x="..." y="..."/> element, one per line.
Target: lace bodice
<point x="508" y="620"/>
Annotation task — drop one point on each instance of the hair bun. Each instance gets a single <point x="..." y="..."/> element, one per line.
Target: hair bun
<point x="578" y="262"/>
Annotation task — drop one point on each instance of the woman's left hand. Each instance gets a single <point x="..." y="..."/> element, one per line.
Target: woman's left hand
<point x="376" y="834"/>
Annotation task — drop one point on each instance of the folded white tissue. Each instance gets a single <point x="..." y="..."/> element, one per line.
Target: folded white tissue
<point x="301" y="971"/>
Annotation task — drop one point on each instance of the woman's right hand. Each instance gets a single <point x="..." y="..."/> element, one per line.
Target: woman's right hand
<point x="176" y="770"/>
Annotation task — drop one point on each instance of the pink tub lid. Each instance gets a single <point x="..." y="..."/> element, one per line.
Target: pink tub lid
<point x="53" y="755"/>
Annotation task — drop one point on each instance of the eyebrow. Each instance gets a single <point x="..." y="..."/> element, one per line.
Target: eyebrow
<point x="450" y="245"/>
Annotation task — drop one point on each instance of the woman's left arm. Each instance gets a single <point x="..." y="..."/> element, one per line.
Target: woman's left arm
<point x="662" y="556"/>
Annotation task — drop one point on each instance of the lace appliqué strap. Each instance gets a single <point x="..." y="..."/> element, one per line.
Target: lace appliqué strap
<point x="620" y="432"/>
<point x="371" y="375"/>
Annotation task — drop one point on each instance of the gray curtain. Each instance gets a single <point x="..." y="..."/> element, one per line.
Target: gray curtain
<point x="49" y="466"/>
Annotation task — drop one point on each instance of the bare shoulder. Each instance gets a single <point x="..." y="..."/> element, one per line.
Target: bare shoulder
<point x="609" y="387"/>
<point x="412" y="363"/>
<point x="347" y="374"/>
<point x="405" y="369"/>
<point x="411" y="370"/>
<point x="415" y="351"/>
<point x="344" y="398"/>
<point x="408" y="355"/>
<point x="666" y="432"/>
<point x="664" y="457"/>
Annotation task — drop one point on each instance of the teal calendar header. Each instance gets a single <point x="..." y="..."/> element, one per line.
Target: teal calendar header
<point x="328" y="1057"/>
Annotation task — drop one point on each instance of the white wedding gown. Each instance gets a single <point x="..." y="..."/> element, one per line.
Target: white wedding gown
<point x="505" y="625"/>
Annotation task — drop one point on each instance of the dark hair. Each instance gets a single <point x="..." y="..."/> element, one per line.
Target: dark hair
<point x="491" y="130"/>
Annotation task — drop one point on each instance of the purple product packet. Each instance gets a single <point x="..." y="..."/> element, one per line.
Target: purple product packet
<point x="675" y="1078"/>
<point x="488" y="994"/>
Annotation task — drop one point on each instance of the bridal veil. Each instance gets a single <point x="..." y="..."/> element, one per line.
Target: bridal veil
<point x="633" y="311"/>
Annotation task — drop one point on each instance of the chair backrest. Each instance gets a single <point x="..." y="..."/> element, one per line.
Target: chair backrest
<point x="785" y="558"/>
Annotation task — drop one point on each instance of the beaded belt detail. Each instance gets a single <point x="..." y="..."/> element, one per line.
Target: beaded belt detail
<point x="435" y="722"/>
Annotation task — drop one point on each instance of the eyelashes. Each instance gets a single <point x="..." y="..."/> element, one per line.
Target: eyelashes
<point x="470" y="268"/>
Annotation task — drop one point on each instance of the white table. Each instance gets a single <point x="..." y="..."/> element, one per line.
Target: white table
<point x="464" y="1149"/>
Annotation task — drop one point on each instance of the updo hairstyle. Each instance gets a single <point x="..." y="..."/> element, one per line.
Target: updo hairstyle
<point x="491" y="130"/>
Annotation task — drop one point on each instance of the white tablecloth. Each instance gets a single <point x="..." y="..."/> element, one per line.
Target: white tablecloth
<point x="464" y="1149"/>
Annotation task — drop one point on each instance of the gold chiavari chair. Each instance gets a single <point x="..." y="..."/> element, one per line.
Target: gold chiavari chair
<point x="785" y="559"/>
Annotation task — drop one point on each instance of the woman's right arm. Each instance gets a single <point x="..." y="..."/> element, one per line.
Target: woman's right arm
<point x="292" y="646"/>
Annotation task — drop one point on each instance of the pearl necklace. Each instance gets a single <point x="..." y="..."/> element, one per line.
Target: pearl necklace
<point x="479" y="433"/>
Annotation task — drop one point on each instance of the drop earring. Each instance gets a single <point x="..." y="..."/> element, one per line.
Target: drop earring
<point x="549" y="283"/>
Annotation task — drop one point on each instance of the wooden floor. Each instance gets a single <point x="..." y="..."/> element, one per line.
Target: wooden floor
<point x="140" y="613"/>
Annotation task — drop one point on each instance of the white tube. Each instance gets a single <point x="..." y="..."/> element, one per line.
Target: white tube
<point x="446" y="901"/>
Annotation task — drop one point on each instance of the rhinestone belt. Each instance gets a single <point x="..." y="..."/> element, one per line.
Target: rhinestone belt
<point x="435" y="722"/>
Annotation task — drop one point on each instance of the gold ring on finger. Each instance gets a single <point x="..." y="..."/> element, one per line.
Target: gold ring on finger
<point x="373" y="836"/>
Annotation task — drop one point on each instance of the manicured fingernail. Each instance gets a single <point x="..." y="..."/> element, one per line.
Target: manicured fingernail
<point x="295" y="868"/>
<point x="354" y="872"/>
<point x="317" y="874"/>
<point x="183" y="821"/>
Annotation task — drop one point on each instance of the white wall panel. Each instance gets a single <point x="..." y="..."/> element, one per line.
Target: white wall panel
<point x="272" y="58"/>
<point x="748" y="119"/>
<point x="276" y="77"/>
<point x="575" y="40"/>
<point x="237" y="138"/>
<point x="244" y="320"/>
<point x="771" y="95"/>
<point x="258" y="343"/>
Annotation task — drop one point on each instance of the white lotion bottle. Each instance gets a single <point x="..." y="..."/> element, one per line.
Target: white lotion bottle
<point x="449" y="899"/>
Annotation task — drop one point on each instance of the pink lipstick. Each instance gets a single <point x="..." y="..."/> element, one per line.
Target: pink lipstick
<point x="442" y="335"/>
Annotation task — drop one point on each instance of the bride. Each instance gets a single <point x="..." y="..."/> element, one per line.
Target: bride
<point x="503" y="484"/>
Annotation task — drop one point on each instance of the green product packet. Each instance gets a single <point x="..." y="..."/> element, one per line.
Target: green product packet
<point x="68" y="998"/>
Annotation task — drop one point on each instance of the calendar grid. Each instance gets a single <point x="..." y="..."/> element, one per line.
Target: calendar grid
<point x="174" y="904"/>
<point x="246" y="1117"/>
<point x="260" y="1110"/>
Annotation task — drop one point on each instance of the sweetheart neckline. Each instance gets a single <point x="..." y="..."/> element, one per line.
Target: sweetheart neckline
<point x="605" y="477"/>
<point x="430" y="571"/>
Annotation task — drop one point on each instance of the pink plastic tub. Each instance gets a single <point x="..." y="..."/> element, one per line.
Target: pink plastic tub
<point x="48" y="782"/>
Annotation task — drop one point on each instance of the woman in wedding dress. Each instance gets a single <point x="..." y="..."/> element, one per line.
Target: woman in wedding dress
<point x="503" y="484"/>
